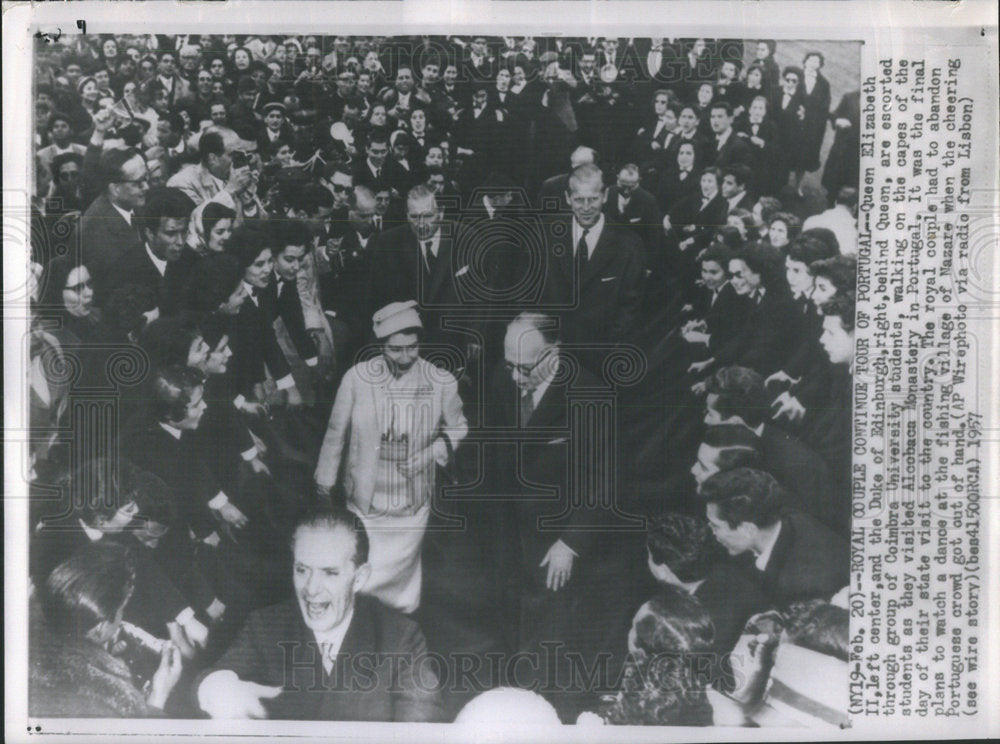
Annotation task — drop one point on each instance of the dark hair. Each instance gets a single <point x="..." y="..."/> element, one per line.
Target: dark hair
<point x="248" y="241"/>
<point x="842" y="271"/>
<point x="737" y="446"/>
<point x="123" y="312"/>
<point x="694" y="110"/>
<point x="661" y="684"/>
<point x="377" y="136"/>
<point x="88" y="588"/>
<point x="738" y="171"/>
<point x="214" y="326"/>
<point x="155" y="501"/>
<point x="331" y="519"/>
<point x="56" y="274"/>
<point x="210" y="143"/>
<point x="847" y="196"/>
<point x="99" y="488"/>
<point x="843" y="307"/>
<point x="741" y="393"/>
<point x="312" y="197"/>
<point x="771" y="45"/>
<point x="807" y="248"/>
<point x="724" y="105"/>
<point x="112" y="161"/>
<point x="168" y="341"/>
<point x="163" y="203"/>
<point x="212" y="214"/>
<point x="274" y="146"/>
<point x="731" y="238"/>
<point x="171" y="391"/>
<point x="719" y="253"/>
<point x="61" y="159"/>
<point x="744" y="495"/>
<point x="287" y="233"/>
<point x="792" y="222"/>
<point x="684" y="544"/>
<point x="759" y="66"/>
<point x="795" y="71"/>
<point x="814" y="53"/>
<point x="766" y="261"/>
<point x="58" y="116"/>
<point x="824" y="235"/>
<point x="213" y="282"/>
<point x="769" y="206"/>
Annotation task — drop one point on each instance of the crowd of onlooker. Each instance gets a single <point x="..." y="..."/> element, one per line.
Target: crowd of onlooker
<point x="252" y="250"/>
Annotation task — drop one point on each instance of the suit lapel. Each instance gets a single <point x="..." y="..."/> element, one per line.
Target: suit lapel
<point x="603" y="254"/>
<point x="442" y="268"/>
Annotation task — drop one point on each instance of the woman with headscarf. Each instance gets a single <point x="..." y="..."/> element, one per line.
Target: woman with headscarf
<point x="397" y="416"/>
<point x="210" y="228"/>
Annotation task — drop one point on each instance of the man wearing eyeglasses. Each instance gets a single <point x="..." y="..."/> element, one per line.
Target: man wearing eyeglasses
<point x="108" y="228"/>
<point x="560" y="576"/>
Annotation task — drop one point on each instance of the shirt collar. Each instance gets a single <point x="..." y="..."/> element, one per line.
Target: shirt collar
<point x="159" y="263"/>
<point x="250" y="293"/>
<point x="435" y="241"/>
<point x="765" y="554"/>
<point x="593" y="235"/>
<point x="171" y="430"/>
<point x="330" y="642"/>
<point x="92" y="534"/>
<point x="127" y="216"/>
<point x="538" y="392"/>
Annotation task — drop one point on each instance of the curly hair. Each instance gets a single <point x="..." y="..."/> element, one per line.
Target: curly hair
<point x="662" y="683"/>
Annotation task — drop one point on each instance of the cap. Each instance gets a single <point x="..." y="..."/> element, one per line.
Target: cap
<point x="275" y="106"/>
<point x="396" y="317"/>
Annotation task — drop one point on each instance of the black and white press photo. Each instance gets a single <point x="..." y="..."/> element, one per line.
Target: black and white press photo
<point x="477" y="379"/>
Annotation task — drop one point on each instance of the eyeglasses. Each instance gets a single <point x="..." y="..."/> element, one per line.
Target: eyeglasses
<point x="409" y="348"/>
<point x="78" y="288"/>
<point x="341" y="189"/>
<point x="140" y="181"/>
<point x="525" y="370"/>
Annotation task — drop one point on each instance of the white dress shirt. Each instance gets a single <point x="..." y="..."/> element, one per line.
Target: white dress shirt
<point x="593" y="235"/>
<point x="329" y="643"/>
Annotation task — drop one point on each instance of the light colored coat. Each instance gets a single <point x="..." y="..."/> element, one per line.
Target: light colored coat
<point x="426" y="404"/>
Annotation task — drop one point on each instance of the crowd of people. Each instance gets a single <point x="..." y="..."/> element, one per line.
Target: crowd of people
<point x="528" y="356"/>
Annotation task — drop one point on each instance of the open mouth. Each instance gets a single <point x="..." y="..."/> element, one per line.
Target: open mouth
<point x="316" y="610"/>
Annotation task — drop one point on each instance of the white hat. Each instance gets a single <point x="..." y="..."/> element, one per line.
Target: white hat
<point x="396" y="317"/>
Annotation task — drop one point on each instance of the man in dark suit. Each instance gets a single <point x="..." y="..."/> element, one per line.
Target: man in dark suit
<point x="735" y="179"/>
<point x="736" y="395"/>
<point x="595" y="273"/>
<point x="417" y="261"/>
<point x="107" y="229"/>
<point x="796" y="557"/>
<point x="728" y="148"/>
<point x="161" y="263"/>
<point x="565" y="575"/>
<point x="552" y="194"/>
<point x="632" y="207"/>
<point x="682" y="552"/>
<point x="330" y="654"/>
<point x="681" y="179"/>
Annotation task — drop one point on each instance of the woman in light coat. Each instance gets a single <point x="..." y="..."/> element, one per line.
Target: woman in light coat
<point x="398" y="416"/>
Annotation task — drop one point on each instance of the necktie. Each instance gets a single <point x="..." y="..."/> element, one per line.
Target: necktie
<point x="378" y="223"/>
<point x="581" y="251"/>
<point x="429" y="258"/>
<point x="527" y="407"/>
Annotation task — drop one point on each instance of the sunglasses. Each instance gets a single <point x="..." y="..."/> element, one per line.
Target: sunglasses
<point x="78" y="288"/>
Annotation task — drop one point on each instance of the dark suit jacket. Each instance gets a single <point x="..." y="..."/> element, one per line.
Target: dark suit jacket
<point x="181" y="466"/>
<point x="764" y="343"/>
<point x="808" y="561"/>
<point x="705" y="221"/>
<point x="398" y="274"/>
<point x="553" y="191"/>
<point x="641" y="217"/>
<point x="288" y="307"/>
<point x="805" y="475"/>
<point x="255" y="345"/>
<point x="105" y="238"/>
<point x="373" y="677"/>
<point x="672" y="190"/>
<point x="603" y="304"/>
<point x="735" y="151"/>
